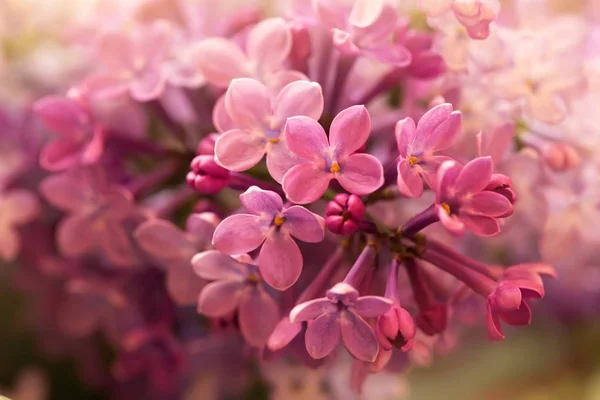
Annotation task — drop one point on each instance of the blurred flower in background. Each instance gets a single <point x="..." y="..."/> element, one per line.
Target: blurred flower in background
<point x="299" y="199"/>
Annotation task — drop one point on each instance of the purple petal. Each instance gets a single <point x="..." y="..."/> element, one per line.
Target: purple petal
<point x="10" y="244"/>
<point x="323" y="335"/>
<point x="222" y="61"/>
<point x="261" y="202"/>
<point x="475" y="175"/>
<point x="481" y="225"/>
<point x="372" y="306"/>
<point x="62" y="115"/>
<point x="305" y="183"/>
<point x="280" y="160"/>
<point x="298" y="98"/>
<point x="405" y="134"/>
<point x="488" y="203"/>
<point x="75" y="235"/>
<point x="148" y="85"/>
<point x="248" y="103"/>
<point x="359" y="338"/>
<point x="220" y="298"/>
<point x="283" y="334"/>
<point x="306" y="138"/>
<point x="258" y="316"/>
<point x="115" y="242"/>
<point x="312" y="309"/>
<point x="350" y="130"/>
<point x="361" y="174"/>
<point x="280" y="261"/>
<point x="269" y="43"/>
<point x="238" y="150"/>
<point x="165" y="241"/>
<point x="214" y="265"/>
<point x="239" y="234"/>
<point x="304" y="225"/>
<point x="183" y="284"/>
<point x="409" y="182"/>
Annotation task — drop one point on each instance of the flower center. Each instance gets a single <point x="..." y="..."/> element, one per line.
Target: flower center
<point x="254" y="278"/>
<point x="335" y="167"/>
<point x="278" y="220"/>
<point x="446" y="207"/>
<point x="412" y="160"/>
<point x="274" y="140"/>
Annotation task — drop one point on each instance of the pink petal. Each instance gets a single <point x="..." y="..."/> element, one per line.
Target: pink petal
<point x="506" y="297"/>
<point x="202" y="225"/>
<point x="214" y="265"/>
<point x="361" y="174"/>
<point x="405" y="134"/>
<point x="62" y="115"/>
<point x="222" y="61"/>
<point x="323" y="335"/>
<point x="280" y="261"/>
<point x="75" y="235"/>
<point x="116" y="244"/>
<point x="481" y="225"/>
<point x="220" y="117"/>
<point x="248" y="103"/>
<point x="518" y="317"/>
<point x="447" y="174"/>
<point x="312" y="309"/>
<point x="10" y="244"/>
<point x="165" y="241"/>
<point x="156" y="42"/>
<point x="62" y="191"/>
<point x="365" y="12"/>
<point x="475" y="175"/>
<point x="280" y="160"/>
<point x="220" y="298"/>
<point x="106" y="87"/>
<point x="61" y="154"/>
<point x="20" y="206"/>
<point x="372" y="306"/>
<point x="115" y="50"/>
<point x="258" y="316"/>
<point x="488" y="203"/>
<point x="450" y="222"/>
<point x="238" y="150"/>
<point x="298" y="98"/>
<point x="261" y="202"/>
<point x="306" y="138"/>
<point x="239" y="234"/>
<point x="359" y="338"/>
<point x="429" y="126"/>
<point x="269" y="43"/>
<point x="148" y="85"/>
<point x="445" y="133"/>
<point x="283" y="334"/>
<point x="409" y="182"/>
<point x="304" y="225"/>
<point x="94" y="149"/>
<point x="493" y="324"/>
<point x="183" y="284"/>
<point x="397" y="56"/>
<point x="435" y="8"/>
<point x="350" y="130"/>
<point x="305" y="183"/>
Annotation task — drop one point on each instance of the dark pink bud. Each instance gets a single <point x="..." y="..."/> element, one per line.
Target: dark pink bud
<point x="301" y="43"/>
<point x="206" y="176"/>
<point x="207" y="145"/>
<point x="344" y="214"/>
<point x="502" y="184"/>
<point x="433" y="320"/>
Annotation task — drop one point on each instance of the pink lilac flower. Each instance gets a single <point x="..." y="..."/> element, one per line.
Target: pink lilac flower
<point x="96" y="210"/>
<point x="417" y="144"/>
<point x="363" y="27"/>
<point x="80" y="138"/>
<point x="134" y="62"/>
<point x="331" y="158"/>
<point x="17" y="207"/>
<point x="341" y="315"/>
<point x="269" y="224"/>
<point x="268" y="46"/>
<point x="474" y="15"/>
<point x="237" y="286"/>
<point x="462" y="201"/>
<point x="257" y="119"/>
<point x="175" y="248"/>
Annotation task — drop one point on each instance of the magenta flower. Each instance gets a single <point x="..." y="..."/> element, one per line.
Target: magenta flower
<point x="341" y="314"/>
<point x="81" y="140"/>
<point x="257" y="123"/>
<point x="435" y="131"/>
<point x="462" y="201"/>
<point x="175" y="248"/>
<point x="363" y="27"/>
<point x="17" y="207"/>
<point x="344" y="214"/>
<point x="96" y="211"/>
<point x="280" y="260"/>
<point x="331" y="158"/>
<point x="134" y="62"/>
<point x="237" y="287"/>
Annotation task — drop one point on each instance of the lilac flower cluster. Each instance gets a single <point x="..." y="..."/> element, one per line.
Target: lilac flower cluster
<point x="219" y="182"/>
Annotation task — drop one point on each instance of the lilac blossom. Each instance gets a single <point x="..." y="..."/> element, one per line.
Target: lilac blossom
<point x="17" y="207"/>
<point x="271" y="225"/>
<point x="417" y="144"/>
<point x="474" y="15"/>
<point x="237" y="286"/>
<point x="330" y="158"/>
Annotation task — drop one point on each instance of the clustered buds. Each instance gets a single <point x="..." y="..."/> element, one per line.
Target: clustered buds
<point x="344" y="214"/>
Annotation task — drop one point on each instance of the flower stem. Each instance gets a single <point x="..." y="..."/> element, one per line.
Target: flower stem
<point x="361" y="265"/>
<point x="319" y="284"/>
<point x="420" y="221"/>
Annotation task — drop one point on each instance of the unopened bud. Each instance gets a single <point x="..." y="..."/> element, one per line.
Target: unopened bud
<point x="207" y="176"/>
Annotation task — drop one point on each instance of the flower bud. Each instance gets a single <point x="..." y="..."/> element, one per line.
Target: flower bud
<point x="207" y="176"/>
<point x="561" y="157"/>
<point x="207" y="145"/>
<point x="502" y="184"/>
<point x="344" y="214"/>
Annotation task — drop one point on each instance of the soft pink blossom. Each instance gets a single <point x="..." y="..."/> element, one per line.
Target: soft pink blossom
<point x="17" y="207"/>
<point x="474" y="15"/>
